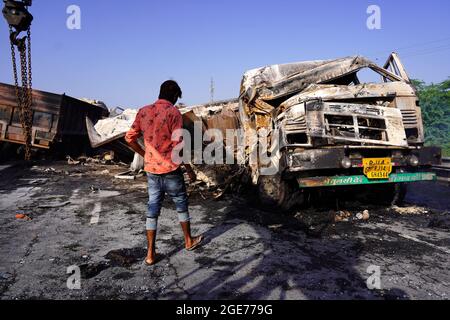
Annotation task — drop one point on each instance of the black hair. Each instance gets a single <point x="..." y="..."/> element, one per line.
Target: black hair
<point x="170" y="91"/>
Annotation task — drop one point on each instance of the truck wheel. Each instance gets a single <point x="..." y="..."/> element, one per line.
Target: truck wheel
<point x="400" y="190"/>
<point x="387" y="194"/>
<point x="275" y="192"/>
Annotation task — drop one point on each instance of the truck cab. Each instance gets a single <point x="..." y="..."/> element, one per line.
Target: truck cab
<point x="328" y="128"/>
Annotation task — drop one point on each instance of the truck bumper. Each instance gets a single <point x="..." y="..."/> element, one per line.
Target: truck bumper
<point x="323" y="167"/>
<point x="331" y="158"/>
<point x="361" y="179"/>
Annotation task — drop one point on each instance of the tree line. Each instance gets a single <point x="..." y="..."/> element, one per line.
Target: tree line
<point x="435" y="105"/>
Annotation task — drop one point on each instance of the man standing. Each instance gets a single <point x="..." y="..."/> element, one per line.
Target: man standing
<point x="156" y="123"/>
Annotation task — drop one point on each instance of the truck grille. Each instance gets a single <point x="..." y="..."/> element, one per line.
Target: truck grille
<point x="296" y="131"/>
<point x="297" y="125"/>
<point x="356" y="127"/>
<point x="409" y="118"/>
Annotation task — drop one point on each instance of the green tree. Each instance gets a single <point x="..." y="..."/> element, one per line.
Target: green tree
<point x="435" y="104"/>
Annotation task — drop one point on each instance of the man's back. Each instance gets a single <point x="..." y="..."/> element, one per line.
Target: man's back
<point x="157" y="123"/>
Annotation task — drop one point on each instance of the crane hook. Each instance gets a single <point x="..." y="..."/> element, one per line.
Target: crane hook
<point x="17" y="16"/>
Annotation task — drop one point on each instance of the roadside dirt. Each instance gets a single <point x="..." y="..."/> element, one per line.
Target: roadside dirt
<point x="81" y="216"/>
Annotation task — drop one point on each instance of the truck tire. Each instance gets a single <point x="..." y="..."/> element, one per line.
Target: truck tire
<point x="400" y="190"/>
<point x="275" y="192"/>
<point x="387" y="194"/>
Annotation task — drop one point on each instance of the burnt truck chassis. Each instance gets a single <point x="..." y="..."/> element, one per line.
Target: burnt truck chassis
<point x="328" y="121"/>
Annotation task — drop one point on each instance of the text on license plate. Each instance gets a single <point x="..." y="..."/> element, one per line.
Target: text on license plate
<point x="377" y="168"/>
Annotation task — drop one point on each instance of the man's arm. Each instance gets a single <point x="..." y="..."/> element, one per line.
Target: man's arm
<point x="190" y="172"/>
<point x="133" y="134"/>
<point x="176" y="126"/>
<point x="137" y="148"/>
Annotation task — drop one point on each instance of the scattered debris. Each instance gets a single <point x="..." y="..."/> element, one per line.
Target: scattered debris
<point x="363" y="215"/>
<point x="441" y="222"/>
<point x="126" y="257"/>
<point x="106" y="158"/>
<point x="54" y="205"/>
<point x="5" y="276"/>
<point x="21" y="216"/>
<point x="138" y="163"/>
<point x="212" y="176"/>
<point x="275" y="226"/>
<point x="110" y="134"/>
<point x="129" y="175"/>
<point x="411" y="210"/>
<point x="342" y="216"/>
<point x="49" y="170"/>
<point x="72" y="162"/>
<point x="77" y="174"/>
<point x="315" y="218"/>
<point x="51" y="197"/>
<point x="111" y="127"/>
<point x="4" y="167"/>
<point x="218" y="180"/>
<point x="38" y="181"/>
<point x="89" y="271"/>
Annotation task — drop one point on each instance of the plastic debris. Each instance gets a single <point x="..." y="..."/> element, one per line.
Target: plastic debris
<point x="21" y="216"/>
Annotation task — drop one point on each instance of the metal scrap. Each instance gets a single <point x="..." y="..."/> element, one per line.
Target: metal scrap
<point x="54" y="205"/>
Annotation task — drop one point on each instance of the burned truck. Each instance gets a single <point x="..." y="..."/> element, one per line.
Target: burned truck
<point x="58" y="121"/>
<point x="328" y="127"/>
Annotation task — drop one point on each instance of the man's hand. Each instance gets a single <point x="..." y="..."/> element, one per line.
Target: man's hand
<point x="137" y="148"/>
<point x="191" y="174"/>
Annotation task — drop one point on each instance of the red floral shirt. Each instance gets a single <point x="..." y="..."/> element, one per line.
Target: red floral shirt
<point x="156" y="123"/>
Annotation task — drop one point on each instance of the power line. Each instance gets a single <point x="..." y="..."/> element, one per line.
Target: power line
<point x="423" y="43"/>
<point x="412" y="46"/>
<point x="427" y="51"/>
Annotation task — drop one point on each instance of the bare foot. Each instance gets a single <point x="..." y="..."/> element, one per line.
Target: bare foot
<point x="194" y="243"/>
<point x="150" y="260"/>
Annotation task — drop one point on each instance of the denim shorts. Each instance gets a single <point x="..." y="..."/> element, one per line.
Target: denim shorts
<point x="158" y="185"/>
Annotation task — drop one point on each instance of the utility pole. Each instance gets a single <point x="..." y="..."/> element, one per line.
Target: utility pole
<point x="211" y="90"/>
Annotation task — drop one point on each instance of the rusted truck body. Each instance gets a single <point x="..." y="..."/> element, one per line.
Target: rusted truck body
<point x="327" y="128"/>
<point x="57" y="119"/>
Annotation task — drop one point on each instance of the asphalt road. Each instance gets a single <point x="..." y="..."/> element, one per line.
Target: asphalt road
<point x="84" y="219"/>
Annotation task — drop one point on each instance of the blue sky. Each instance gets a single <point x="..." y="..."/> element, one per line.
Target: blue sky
<point x="125" y="49"/>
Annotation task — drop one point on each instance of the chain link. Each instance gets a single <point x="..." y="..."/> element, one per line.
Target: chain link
<point x="24" y="93"/>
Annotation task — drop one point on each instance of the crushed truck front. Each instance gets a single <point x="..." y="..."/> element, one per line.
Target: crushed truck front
<point x="333" y="129"/>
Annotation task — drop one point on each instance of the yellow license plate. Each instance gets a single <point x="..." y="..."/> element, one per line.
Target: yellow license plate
<point x="377" y="168"/>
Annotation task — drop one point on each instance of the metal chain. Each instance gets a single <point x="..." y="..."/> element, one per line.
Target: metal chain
<point x="16" y="78"/>
<point x="24" y="94"/>
<point x="30" y="77"/>
<point x="27" y="72"/>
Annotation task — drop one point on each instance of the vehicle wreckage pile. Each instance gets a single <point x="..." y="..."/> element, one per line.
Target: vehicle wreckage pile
<point x="322" y="124"/>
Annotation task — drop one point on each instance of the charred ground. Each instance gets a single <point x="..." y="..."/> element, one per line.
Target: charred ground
<point x="249" y="253"/>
